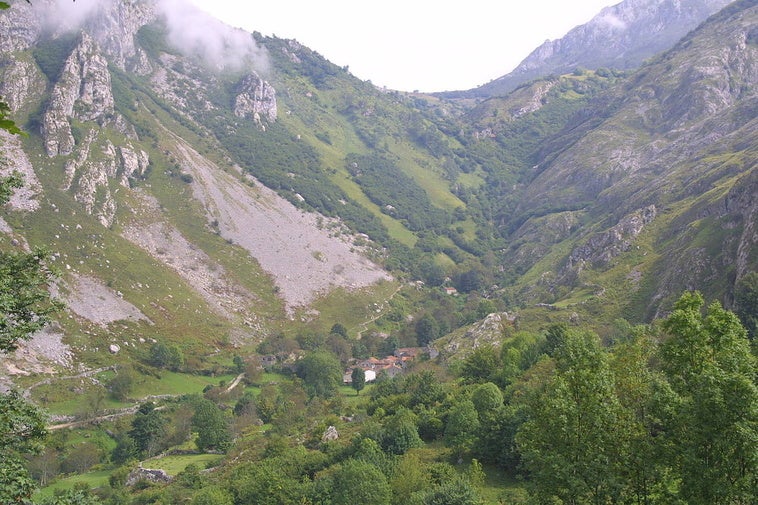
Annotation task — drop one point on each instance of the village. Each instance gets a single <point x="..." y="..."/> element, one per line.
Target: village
<point x="374" y="368"/>
<point x="389" y="366"/>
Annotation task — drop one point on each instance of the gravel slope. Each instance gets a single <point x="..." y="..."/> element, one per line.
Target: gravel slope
<point x="306" y="254"/>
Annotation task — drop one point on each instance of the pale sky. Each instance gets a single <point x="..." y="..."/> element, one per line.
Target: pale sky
<point x="414" y="44"/>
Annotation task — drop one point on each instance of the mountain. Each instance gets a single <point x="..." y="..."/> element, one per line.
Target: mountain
<point x="651" y="189"/>
<point x="620" y="37"/>
<point x="216" y="202"/>
<point x="214" y="189"/>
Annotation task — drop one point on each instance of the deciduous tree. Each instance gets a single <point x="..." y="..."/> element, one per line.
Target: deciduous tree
<point x="211" y="425"/>
<point x="358" y="378"/>
<point x="570" y="444"/>
<point x="321" y="373"/>
<point x="713" y="425"/>
<point x="358" y="481"/>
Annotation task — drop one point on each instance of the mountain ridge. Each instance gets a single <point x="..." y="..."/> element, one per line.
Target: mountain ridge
<point x="621" y="37"/>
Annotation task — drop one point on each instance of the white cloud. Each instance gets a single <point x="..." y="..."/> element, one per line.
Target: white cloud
<point x="196" y="33"/>
<point x="612" y="21"/>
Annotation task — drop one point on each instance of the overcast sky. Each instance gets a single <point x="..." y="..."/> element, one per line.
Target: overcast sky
<point x="426" y="45"/>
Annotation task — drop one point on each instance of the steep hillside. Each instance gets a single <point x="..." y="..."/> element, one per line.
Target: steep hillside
<point x="133" y="213"/>
<point x="652" y="186"/>
<point x="242" y="229"/>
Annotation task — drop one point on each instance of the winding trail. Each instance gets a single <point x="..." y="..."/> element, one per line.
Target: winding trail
<point x="126" y="410"/>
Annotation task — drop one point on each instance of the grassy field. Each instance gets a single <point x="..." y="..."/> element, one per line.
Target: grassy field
<point x="175" y="464"/>
<point x="93" y="480"/>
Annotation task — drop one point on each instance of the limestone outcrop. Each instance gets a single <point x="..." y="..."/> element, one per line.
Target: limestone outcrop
<point x="256" y="99"/>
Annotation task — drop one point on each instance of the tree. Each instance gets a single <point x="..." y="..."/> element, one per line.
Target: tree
<point x="120" y="386"/>
<point x="22" y="428"/>
<point x="427" y="329"/>
<point x="212" y="495"/>
<point x="456" y="491"/>
<point x="746" y="302"/>
<point x="358" y="481"/>
<point x="321" y="373"/>
<point x="713" y="415"/>
<point x="401" y="433"/>
<point x="211" y="426"/>
<point x="571" y="441"/>
<point x="338" y="329"/>
<point x="432" y="273"/>
<point x="264" y="482"/>
<point x="461" y="427"/>
<point x="125" y="449"/>
<point x="148" y="429"/>
<point x="25" y="307"/>
<point x="359" y="379"/>
<point x="166" y="356"/>
<point x="486" y="398"/>
<point x="481" y="364"/>
<point x="239" y="363"/>
<point x="79" y="495"/>
<point x="44" y="467"/>
<point x="82" y="457"/>
<point x="25" y="301"/>
<point x="424" y="388"/>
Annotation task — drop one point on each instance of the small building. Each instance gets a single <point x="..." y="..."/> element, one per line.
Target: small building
<point x="268" y="360"/>
<point x="347" y="378"/>
<point x="391" y="371"/>
<point x="408" y="352"/>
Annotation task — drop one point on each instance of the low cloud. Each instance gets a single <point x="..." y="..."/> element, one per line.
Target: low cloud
<point x="61" y="15"/>
<point x="196" y="33"/>
<point x="190" y="30"/>
<point x="612" y="21"/>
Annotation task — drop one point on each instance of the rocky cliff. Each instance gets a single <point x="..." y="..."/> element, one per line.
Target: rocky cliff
<point x="676" y="132"/>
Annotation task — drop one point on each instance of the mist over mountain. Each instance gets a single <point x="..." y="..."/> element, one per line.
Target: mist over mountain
<point x="620" y="37"/>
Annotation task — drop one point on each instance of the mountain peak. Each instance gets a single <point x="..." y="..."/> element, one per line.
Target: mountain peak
<point x="621" y="36"/>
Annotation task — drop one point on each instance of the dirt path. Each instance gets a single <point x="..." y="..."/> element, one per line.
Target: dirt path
<point x="235" y="382"/>
<point x="113" y="415"/>
<point x="28" y="391"/>
<point x="364" y="324"/>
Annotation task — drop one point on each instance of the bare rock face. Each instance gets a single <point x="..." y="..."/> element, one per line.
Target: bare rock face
<point x="620" y="36"/>
<point x="330" y="434"/>
<point x="603" y="247"/>
<point x="83" y="92"/>
<point x="255" y="98"/>
<point x="14" y="159"/>
<point x="19" y="79"/>
<point x="487" y="332"/>
<point x="115" y="25"/>
<point x="742" y="201"/>
<point x="20" y="27"/>
<point x="147" y="474"/>
<point x="90" y="176"/>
